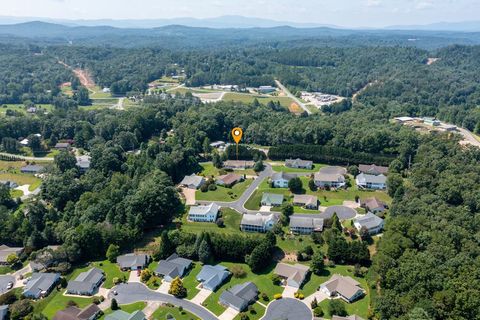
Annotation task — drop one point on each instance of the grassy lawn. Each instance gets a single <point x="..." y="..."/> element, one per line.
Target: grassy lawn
<point x="223" y="193"/>
<point x="162" y="312"/>
<point x="230" y="217"/>
<point x="129" y="308"/>
<point x="57" y="301"/>
<point x="111" y="271"/>
<point x="21" y="108"/>
<point x="190" y="282"/>
<point x="262" y="280"/>
<point x="22" y="179"/>
<point x="99" y="94"/>
<point x="249" y="98"/>
<point x="209" y="170"/>
<point x="5" y="270"/>
<point x="258" y="312"/>
<point x="280" y="168"/>
<point x="292" y="243"/>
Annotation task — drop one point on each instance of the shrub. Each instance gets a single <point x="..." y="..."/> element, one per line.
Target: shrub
<point x="264" y="296"/>
<point x="212" y="187"/>
<point x="71" y="303"/>
<point x="204" y="187"/>
<point x="116" y="280"/>
<point x="244" y="316"/>
<point x="276" y="279"/>
<point x="336" y="307"/>
<point x="220" y="223"/>
<point x="96" y="300"/>
<point x="277" y="296"/>
<point x="238" y="272"/>
<point x="114" y="304"/>
<point x="318" y="312"/>
<point x="169" y="316"/>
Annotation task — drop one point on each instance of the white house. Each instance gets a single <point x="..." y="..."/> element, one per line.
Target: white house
<point x="369" y="181"/>
<point x="370" y="221"/>
<point x="204" y="213"/>
<point x="281" y="179"/>
<point x="258" y="222"/>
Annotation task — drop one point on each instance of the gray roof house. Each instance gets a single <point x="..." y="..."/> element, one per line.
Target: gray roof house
<point x="352" y="317"/>
<point x="305" y="200"/>
<point x="272" y="199"/>
<point x="32" y="169"/>
<point x="3" y="312"/>
<point x="90" y="312"/>
<point x="373" y="205"/>
<point x="212" y="277"/>
<point x="83" y="163"/>
<point x="40" y="284"/>
<point x="281" y="179"/>
<point x="133" y="261"/>
<point x="62" y="146"/>
<point x="87" y="283"/>
<point x="331" y="180"/>
<point x="207" y="213"/>
<point x="5" y="251"/>
<point x="299" y="163"/>
<point x="192" y="181"/>
<point x="343" y="286"/>
<point x="174" y="266"/>
<point x="258" y="222"/>
<point x="122" y="315"/>
<point x="370" y="181"/>
<point x="370" y="221"/>
<point x="239" y="296"/>
<point x="372" y="169"/>
<point x="238" y="164"/>
<point x="293" y="274"/>
<point x="306" y="224"/>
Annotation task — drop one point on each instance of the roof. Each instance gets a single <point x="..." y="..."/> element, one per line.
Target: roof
<point x="404" y="119"/>
<point x="86" y="281"/>
<point x="283" y="176"/>
<point x="298" y="162"/>
<point x="40" y="282"/>
<point x="5" y="251"/>
<point x="372" y="169"/>
<point x="240" y="295"/>
<point x="230" y="178"/>
<point x="352" y="317"/>
<point x="132" y="260"/>
<point x="329" y="177"/>
<point x="204" y="210"/>
<point x="370" y="178"/>
<point x="373" y="203"/>
<point x="74" y="313"/>
<point x="192" y="180"/>
<point x="217" y="144"/>
<point x="272" y="198"/>
<point x="257" y="219"/>
<point x="344" y="285"/>
<point x="306" y="221"/>
<point x="32" y="168"/>
<point x="238" y="163"/>
<point x="369" y="221"/>
<point x="89" y="311"/>
<point x="122" y="315"/>
<point x="212" y="276"/>
<point x="173" y="266"/>
<point x="83" y="162"/>
<point x="305" y="199"/>
<point x="343" y="212"/>
<point x="296" y="272"/>
<point x="333" y="170"/>
<point x="61" y="145"/>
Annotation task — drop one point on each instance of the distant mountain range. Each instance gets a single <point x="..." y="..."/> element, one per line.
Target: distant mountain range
<point x="233" y="21"/>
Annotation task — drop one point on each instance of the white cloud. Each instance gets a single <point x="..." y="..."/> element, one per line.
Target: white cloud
<point x="374" y="3"/>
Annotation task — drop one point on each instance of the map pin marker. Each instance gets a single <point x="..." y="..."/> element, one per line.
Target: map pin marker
<point x="237" y="135"/>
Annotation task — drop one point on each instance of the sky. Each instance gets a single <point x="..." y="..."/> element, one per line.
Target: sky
<point x="348" y="13"/>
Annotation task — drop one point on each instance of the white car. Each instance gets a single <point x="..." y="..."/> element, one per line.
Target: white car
<point x="10" y="285"/>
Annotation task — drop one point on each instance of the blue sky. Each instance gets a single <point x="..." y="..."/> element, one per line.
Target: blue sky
<point x="353" y="13"/>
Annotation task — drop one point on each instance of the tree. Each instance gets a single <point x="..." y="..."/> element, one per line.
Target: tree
<point x="177" y="289"/>
<point x="317" y="265"/>
<point x="259" y="166"/>
<point x="318" y="311"/>
<point x="314" y="303"/>
<point x="145" y="275"/>
<point x="82" y="96"/>
<point x="113" y="252"/>
<point x="5" y="196"/>
<point x="166" y="247"/>
<point x="65" y="161"/>
<point x="336" y="225"/>
<point x="311" y="185"/>
<point x="204" y="251"/>
<point x="295" y="185"/>
<point x="20" y="309"/>
<point x="217" y="160"/>
<point x="353" y="170"/>
<point x="260" y="257"/>
<point x="394" y="182"/>
<point x="336" y="307"/>
<point x="114" y="304"/>
<point x="35" y="143"/>
<point x="287" y="211"/>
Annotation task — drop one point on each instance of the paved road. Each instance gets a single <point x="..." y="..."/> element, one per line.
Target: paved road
<point x="134" y="292"/>
<point x="25" y="158"/>
<point x="4" y="280"/>
<point x="288" y="309"/>
<point x="291" y="96"/>
<point x="469" y="137"/>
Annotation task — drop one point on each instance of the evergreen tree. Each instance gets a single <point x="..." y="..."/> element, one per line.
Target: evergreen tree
<point x="113" y="252"/>
<point x="177" y="289"/>
<point x="204" y="251"/>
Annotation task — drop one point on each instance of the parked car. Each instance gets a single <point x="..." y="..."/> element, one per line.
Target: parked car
<point x="10" y="285"/>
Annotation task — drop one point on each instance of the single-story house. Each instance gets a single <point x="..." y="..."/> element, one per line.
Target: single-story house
<point x="90" y="312"/>
<point x="343" y="286"/>
<point x="87" y="283"/>
<point x="266" y="89"/>
<point x="192" y="181"/>
<point x="272" y="199"/>
<point x="238" y="164"/>
<point x="3" y="312"/>
<point x="83" y="163"/>
<point x="258" y="222"/>
<point x="122" y="315"/>
<point x="432" y="121"/>
<point x="306" y="201"/>
<point x="239" y="296"/>
<point x="40" y="284"/>
<point x="5" y="251"/>
<point x="281" y="179"/>
<point x="331" y="180"/>
<point x="212" y="277"/>
<point x="217" y="144"/>
<point x="306" y="224"/>
<point x="229" y="180"/>
<point x="299" y="164"/>
<point x="403" y="119"/>
<point x="369" y="181"/>
<point x="32" y="169"/>
<point x="372" y="169"/>
<point x="174" y="266"/>
<point x="352" y="317"/>
<point x="370" y="221"/>
<point x="62" y="146"/>
<point x="206" y="213"/>
<point x="373" y="205"/>
<point x="9" y="184"/>
<point x="293" y="274"/>
<point x="133" y="261"/>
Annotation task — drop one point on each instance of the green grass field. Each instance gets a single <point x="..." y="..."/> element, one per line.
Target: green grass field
<point x="230" y="217"/>
<point x="22" y="179"/>
<point x="162" y="312"/>
<point x="190" y="282"/>
<point x="99" y="94"/>
<point x="208" y="170"/>
<point x="5" y="270"/>
<point x="249" y="98"/>
<point x="22" y="109"/>
<point x="111" y="271"/>
<point x="258" y="312"/>
<point x="59" y="302"/>
<point x="280" y="168"/>
<point x="224" y="194"/>
<point x="129" y="308"/>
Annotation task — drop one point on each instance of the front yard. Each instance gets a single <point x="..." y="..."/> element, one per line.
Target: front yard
<point x="224" y="194"/>
<point x="162" y="313"/>
<point x="279" y="167"/>
<point x="129" y="308"/>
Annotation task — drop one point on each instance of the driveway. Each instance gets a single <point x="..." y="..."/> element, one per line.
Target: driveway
<point x="151" y="308"/>
<point x="288" y="309"/>
<point x="320" y="296"/>
<point x="4" y="280"/>
<point x="201" y="296"/>
<point x="229" y="314"/>
<point x="289" y="292"/>
<point x="189" y="195"/>
<point x="164" y="287"/>
<point x="128" y="293"/>
<point x="134" y="277"/>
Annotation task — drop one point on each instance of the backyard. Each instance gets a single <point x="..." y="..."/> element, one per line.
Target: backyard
<point x="223" y="193"/>
<point x="209" y="170"/>
<point x="231" y="219"/>
<point x="277" y="167"/>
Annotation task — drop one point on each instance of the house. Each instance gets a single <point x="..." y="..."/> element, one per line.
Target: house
<point x="239" y="296"/>
<point x="342" y="286"/>
<point x="370" y="221"/>
<point x="293" y="274"/>
<point x="369" y="181"/>
<point x="106" y="90"/>
<point x="306" y="201"/>
<point x="431" y="121"/>
<point x="306" y="224"/>
<point x="207" y="213"/>
<point x="90" y="312"/>
<point x="212" y="277"/>
<point x="266" y="89"/>
<point x="352" y="317"/>
<point x="403" y="119"/>
<point x="133" y="261"/>
<point x="238" y="164"/>
<point x="174" y="266"/>
<point x="192" y="181"/>
<point x="83" y="163"/>
<point x="3" y="312"/>
<point x="5" y="251"/>
<point x="373" y="205"/>
<point x="299" y="164"/>
<point x="372" y="169"/>
<point x="272" y="199"/>
<point x="217" y="144"/>
<point x="258" y="222"/>
<point x="87" y="283"/>
<point x="62" y="146"/>
<point x="9" y="184"/>
<point x="330" y="180"/>
<point x="229" y="180"/>
<point x="122" y="315"/>
<point x="31" y="169"/>
<point x="281" y="179"/>
<point x="40" y="284"/>
<point x="24" y="142"/>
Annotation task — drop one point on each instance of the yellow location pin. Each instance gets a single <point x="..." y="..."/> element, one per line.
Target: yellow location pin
<point x="237" y="135"/>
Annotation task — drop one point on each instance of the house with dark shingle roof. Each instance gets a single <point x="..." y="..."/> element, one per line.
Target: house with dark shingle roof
<point x="370" y="221"/>
<point x="62" y="146"/>
<point x="372" y="169"/>
<point x="373" y="205"/>
<point x="239" y="296"/>
<point x="40" y="284"/>
<point x="330" y="180"/>
<point x="87" y="283"/>
<point x="305" y="200"/>
<point x="306" y="223"/>
<point x="174" y="266"/>
<point x="31" y="169"/>
<point x="370" y="181"/>
<point x="122" y="315"/>
<point x="299" y="164"/>
<point x="192" y="181"/>
<point x="229" y="180"/>
<point x="91" y="312"/>
<point x="342" y="286"/>
<point x="281" y="179"/>
<point x="133" y="261"/>
<point x="211" y="277"/>
<point x="272" y="199"/>
<point x="294" y="275"/>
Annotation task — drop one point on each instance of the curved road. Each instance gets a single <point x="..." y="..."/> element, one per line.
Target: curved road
<point x="134" y="292"/>
<point x="288" y="309"/>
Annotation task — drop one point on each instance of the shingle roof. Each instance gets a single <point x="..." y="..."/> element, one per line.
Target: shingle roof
<point x="240" y="295"/>
<point x="370" y="178"/>
<point x="369" y="221"/>
<point x="230" y="178"/>
<point x="272" y="198"/>
<point x="74" y="313"/>
<point x="296" y="272"/>
<point x="329" y="177"/>
<point x="122" y="315"/>
<point x="173" y="266"/>
<point x="3" y="312"/>
<point x="40" y="282"/>
<point x="373" y="203"/>
<point x="298" y="162"/>
<point x="258" y="219"/>
<point x="86" y="281"/>
<point x="344" y="285"/>
<point x="32" y="168"/>
<point x="352" y="317"/>
<point x="204" y="210"/>
<point x="132" y="260"/>
<point x="305" y="199"/>
<point x="372" y="169"/>
<point x="333" y="170"/>
<point x="283" y="176"/>
<point x="212" y="276"/>
<point x="306" y="221"/>
<point x="5" y="251"/>
<point x="192" y="180"/>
